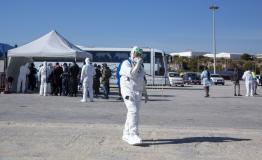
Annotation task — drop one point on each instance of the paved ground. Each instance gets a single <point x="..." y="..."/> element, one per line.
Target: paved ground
<point x="177" y="123"/>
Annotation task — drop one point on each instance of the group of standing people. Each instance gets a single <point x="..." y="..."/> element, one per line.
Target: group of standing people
<point x="62" y="80"/>
<point x="248" y="76"/>
<point x="91" y="79"/>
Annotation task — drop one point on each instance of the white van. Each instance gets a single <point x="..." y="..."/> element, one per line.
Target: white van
<point x="175" y="79"/>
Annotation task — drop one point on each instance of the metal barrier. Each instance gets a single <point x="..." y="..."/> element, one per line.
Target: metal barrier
<point x="157" y="88"/>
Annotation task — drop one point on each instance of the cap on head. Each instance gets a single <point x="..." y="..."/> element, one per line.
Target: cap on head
<point x="104" y="65"/>
<point x="136" y="50"/>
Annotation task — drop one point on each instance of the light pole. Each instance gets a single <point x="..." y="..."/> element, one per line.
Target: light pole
<point x="214" y="8"/>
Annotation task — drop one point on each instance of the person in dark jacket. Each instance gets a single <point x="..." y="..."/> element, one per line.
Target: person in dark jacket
<point x="73" y="74"/>
<point x="32" y="77"/>
<point x="57" y="79"/>
<point x="97" y="76"/>
<point x="236" y="78"/>
<point x="65" y="80"/>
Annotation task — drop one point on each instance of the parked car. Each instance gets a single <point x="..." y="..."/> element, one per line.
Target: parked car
<point x="191" y="78"/>
<point x="175" y="79"/>
<point x="217" y="79"/>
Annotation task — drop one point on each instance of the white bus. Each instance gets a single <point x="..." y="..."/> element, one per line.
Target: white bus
<point x="155" y="62"/>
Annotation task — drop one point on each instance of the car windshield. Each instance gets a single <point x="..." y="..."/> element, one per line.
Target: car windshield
<point x="173" y="75"/>
<point x="193" y="76"/>
<point x="215" y="75"/>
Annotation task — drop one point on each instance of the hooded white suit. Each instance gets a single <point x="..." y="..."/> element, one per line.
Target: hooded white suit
<point x="132" y="84"/>
<point x="23" y="72"/>
<point x="247" y="76"/>
<point x="44" y="73"/>
<point x="87" y="75"/>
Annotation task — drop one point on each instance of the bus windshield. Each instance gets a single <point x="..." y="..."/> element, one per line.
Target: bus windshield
<point x="159" y="64"/>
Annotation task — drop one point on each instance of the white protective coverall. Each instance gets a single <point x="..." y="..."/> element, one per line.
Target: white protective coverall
<point x="44" y="73"/>
<point x="23" y="72"/>
<point x="132" y="84"/>
<point x="87" y="75"/>
<point x="247" y="76"/>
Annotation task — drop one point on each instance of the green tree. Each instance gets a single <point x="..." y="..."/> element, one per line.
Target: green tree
<point x="247" y="65"/>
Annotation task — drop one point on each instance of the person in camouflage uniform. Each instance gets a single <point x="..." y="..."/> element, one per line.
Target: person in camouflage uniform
<point x="106" y="74"/>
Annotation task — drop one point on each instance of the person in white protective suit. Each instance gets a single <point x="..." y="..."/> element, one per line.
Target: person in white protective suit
<point x="23" y="72"/>
<point x="247" y="76"/>
<point x="133" y="84"/>
<point x="87" y="75"/>
<point x="44" y="73"/>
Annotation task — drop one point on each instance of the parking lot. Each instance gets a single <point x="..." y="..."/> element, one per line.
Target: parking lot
<point x="177" y="123"/>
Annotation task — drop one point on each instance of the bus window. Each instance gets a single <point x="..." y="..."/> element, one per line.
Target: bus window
<point x="120" y="56"/>
<point x="159" y="64"/>
<point x="146" y="57"/>
<point x="110" y="56"/>
<point x="116" y="56"/>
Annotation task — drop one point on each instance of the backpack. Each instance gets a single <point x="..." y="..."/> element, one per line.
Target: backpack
<point x="118" y="76"/>
<point x="208" y="75"/>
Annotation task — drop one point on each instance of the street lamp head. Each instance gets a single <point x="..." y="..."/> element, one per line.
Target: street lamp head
<point x="213" y="7"/>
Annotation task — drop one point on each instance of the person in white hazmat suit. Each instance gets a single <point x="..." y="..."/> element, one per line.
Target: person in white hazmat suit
<point x="87" y="75"/>
<point x="133" y="84"/>
<point x="247" y="76"/>
<point x="43" y="75"/>
<point x="21" y="81"/>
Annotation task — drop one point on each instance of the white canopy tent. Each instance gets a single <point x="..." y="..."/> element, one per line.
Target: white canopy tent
<point x="50" y="47"/>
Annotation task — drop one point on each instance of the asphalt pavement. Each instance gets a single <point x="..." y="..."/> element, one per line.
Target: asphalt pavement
<point x="177" y="123"/>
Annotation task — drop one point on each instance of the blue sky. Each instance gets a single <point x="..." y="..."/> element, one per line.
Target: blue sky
<point x="171" y="25"/>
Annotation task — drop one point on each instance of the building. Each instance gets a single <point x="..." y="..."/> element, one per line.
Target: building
<point x="226" y="55"/>
<point x="188" y="54"/>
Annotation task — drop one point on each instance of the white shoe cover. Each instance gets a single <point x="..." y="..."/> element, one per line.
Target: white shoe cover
<point x="132" y="139"/>
<point x="83" y="100"/>
<point x="125" y="137"/>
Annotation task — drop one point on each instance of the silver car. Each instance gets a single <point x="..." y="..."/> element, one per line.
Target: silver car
<point x="217" y="79"/>
<point x="175" y="79"/>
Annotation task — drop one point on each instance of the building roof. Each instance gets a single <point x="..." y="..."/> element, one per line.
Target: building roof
<point x="225" y="55"/>
<point x="188" y="53"/>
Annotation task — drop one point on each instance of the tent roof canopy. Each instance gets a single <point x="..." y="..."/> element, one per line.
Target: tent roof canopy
<point x="50" y="46"/>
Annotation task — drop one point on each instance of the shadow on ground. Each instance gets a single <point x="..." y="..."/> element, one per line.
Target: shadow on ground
<point x="148" y="142"/>
<point x="160" y="95"/>
<point x="233" y="97"/>
<point x="159" y="100"/>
